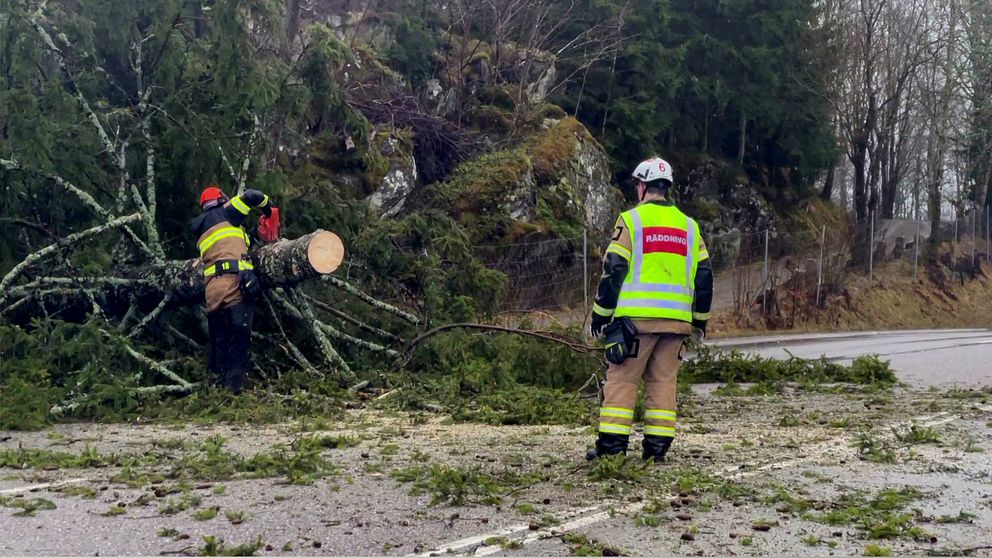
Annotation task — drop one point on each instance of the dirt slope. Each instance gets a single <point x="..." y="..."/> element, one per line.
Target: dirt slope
<point x="893" y="301"/>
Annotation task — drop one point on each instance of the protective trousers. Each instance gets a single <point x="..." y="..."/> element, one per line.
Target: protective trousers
<point x="230" y="344"/>
<point x="657" y="364"/>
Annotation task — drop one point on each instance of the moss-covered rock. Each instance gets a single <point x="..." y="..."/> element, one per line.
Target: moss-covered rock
<point x="553" y="185"/>
<point x="399" y="177"/>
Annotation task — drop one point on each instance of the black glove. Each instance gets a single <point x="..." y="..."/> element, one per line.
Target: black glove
<point x="698" y="330"/>
<point x="267" y="209"/>
<point x="599" y="323"/>
<point x="251" y="287"/>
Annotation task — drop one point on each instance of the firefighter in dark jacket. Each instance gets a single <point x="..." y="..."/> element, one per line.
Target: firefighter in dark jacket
<point x="657" y="285"/>
<point x="230" y="284"/>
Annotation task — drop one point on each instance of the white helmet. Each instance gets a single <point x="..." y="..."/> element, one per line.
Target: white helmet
<point x="653" y="169"/>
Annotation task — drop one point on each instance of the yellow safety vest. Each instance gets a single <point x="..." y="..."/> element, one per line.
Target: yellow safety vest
<point x="662" y="271"/>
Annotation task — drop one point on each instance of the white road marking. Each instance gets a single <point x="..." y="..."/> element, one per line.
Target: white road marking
<point x="578" y="523"/>
<point x="42" y="486"/>
<point x="933" y="423"/>
<point x="477" y="540"/>
<point x="604" y="512"/>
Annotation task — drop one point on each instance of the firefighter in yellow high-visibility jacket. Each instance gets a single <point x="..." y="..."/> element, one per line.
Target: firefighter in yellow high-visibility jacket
<point x="657" y="286"/>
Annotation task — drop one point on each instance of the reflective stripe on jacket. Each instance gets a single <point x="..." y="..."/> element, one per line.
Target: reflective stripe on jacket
<point x="665" y="252"/>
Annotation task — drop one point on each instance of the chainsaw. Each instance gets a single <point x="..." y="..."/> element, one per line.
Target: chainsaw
<point x="269" y="227"/>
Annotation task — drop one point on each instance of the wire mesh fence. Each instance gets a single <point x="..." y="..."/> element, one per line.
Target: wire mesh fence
<point x="546" y="274"/>
<point x="755" y="269"/>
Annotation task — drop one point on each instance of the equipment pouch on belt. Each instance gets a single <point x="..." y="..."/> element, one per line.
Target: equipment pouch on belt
<point x="620" y="338"/>
<point x="251" y="287"/>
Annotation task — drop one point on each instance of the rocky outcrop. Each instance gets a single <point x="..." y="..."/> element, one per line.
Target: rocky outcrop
<point x="399" y="180"/>
<point x="556" y="184"/>
<point x="721" y="199"/>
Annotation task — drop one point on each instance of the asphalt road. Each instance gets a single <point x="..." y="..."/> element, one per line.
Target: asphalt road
<point x="921" y="358"/>
<point x="806" y="441"/>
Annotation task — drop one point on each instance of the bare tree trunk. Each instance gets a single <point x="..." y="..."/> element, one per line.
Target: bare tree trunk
<point x="828" y="184"/>
<point x="743" y="137"/>
<point x="860" y="182"/>
<point x="292" y="27"/>
<point x="933" y="198"/>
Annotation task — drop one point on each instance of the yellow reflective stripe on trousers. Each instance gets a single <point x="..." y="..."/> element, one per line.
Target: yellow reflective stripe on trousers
<point x="652" y="430"/>
<point x="616" y="412"/>
<point x="659" y="414"/>
<point x="241" y="206"/>
<point x="703" y="316"/>
<point x="611" y="428"/>
<point x="226" y="232"/>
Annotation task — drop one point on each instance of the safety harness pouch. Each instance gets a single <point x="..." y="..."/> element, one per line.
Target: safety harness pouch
<point x="251" y="287"/>
<point x="620" y="338"/>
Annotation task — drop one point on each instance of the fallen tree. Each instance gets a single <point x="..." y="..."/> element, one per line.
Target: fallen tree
<point x="284" y="264"/>
<point x="97" y="300"/>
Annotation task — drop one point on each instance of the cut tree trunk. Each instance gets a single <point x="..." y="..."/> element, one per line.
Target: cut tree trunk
<point x="284" y="263"/>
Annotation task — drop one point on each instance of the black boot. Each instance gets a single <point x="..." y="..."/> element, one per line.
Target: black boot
<point x="608" y="444"/>
<point x="655" y="447"/>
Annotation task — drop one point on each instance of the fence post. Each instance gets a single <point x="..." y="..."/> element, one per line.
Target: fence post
<point x="585" y="269"/>
<point x="819" y="266"/>
<point x="916" y="255"/>
<point x="871" y="250"/>
<point x="974" y="236"/>
<point x="764" y="282"/>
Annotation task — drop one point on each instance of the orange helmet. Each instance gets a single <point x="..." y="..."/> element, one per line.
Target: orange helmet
<point x="210" y="196"/>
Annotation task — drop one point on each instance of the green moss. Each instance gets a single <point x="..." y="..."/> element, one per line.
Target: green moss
<point x="475" y="185"/>
<point x="552" y="149"/>
<point x="492" y="119"/>
<point x="549" y="110"/>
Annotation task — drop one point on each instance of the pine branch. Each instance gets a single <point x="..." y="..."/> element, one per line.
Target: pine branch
<point x="150" y="317"/>
<point x="184" y="338"/>
<point x="119" y="153"/>
<point x="88" y="200"/>
<point x="353" y="321"/>
<point x="36" y="18"/>
<point x="256" y="128"/>
<point x="293" y="350"/>
<point x="150" y="363"/>
<point x="330" y="354"/>
<point x="132" y="309"/>
<point x="574" y="345"/>
<point x="330" y="330"/>
<point x="371" y="300"/>
<point x="227" y="163"/>
<point x="317" y="327"/>
<point x="53" y="248"/>
<point x="73" y="404"/>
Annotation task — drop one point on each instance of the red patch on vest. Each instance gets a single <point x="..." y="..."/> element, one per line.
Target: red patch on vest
<point x="668" y="240"/>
